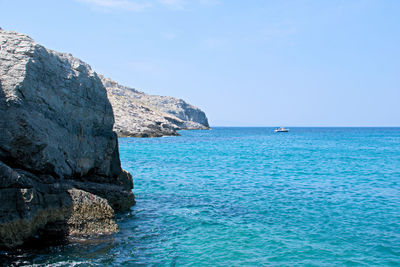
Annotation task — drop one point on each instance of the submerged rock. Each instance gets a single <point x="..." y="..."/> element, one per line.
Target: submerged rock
<point x="59" y="159"/>
<point x="141" y="115"/>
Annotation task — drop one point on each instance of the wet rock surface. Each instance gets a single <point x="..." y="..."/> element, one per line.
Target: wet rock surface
<point x="90" y="215"/>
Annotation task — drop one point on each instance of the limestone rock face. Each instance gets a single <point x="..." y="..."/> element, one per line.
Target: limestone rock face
<point x="56" y="135"/>
<point x="141" y="115"/>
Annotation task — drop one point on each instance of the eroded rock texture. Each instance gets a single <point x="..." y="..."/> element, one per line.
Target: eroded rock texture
<point x="142" y="115"/>
<point x="59" y="155"/>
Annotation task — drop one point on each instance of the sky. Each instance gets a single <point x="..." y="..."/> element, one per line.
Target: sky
<point x="245" y="63"/>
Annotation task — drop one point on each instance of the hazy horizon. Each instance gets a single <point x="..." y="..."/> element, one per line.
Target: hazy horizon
<point x="249" y="64"/>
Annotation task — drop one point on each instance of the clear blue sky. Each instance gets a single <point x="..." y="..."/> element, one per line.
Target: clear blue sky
<point x="245" y="63"/>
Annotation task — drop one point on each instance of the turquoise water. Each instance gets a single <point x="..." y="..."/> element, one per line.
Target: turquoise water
<point x="247" y="196"/>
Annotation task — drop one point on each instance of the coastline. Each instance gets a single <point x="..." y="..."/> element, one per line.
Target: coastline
<point x="59" y="155"/>
<point x="156" y="135"/>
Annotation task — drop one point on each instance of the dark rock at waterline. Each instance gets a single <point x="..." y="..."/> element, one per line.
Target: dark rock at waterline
<point x="60" y="172"/>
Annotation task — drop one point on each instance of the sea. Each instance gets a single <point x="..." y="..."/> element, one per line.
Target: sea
<point x="252" y="197"/>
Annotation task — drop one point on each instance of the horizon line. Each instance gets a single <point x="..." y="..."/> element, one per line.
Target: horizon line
<point x="231" y="126"/>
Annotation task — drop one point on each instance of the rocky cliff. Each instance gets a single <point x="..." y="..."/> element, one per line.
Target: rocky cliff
<point x="142" y="115"/>
<point x="60" y="171"/>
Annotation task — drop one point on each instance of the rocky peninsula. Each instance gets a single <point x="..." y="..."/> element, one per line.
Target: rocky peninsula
<point x="141" y="115"/>
<point x="60" y="172"/>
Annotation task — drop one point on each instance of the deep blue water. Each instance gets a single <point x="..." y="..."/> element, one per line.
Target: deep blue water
<point x="247" y="196"/>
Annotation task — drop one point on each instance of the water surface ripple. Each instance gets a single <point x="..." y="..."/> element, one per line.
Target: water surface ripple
<point x="247" y="196"/>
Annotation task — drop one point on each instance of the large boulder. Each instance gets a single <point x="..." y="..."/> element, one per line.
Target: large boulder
<point x="56" y="137"/>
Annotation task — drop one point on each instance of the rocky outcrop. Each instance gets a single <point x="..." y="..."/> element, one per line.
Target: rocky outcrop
<point x="140" y="115"/>
<point x="60" y="172"/>
<point x="90" y="215"/>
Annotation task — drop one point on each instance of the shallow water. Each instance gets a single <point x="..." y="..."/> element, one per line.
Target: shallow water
<point x="247" y="196"/>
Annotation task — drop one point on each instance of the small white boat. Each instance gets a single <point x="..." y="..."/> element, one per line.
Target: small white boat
<point x="281" y="130"/>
